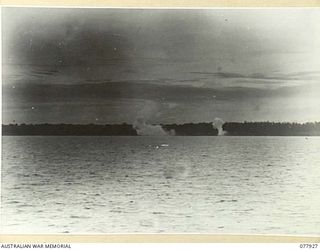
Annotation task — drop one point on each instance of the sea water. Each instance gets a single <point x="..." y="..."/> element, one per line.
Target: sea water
<point x="160" y="184"/>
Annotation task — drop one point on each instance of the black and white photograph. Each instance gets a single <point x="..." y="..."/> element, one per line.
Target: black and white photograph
<point x="160" y="120"/>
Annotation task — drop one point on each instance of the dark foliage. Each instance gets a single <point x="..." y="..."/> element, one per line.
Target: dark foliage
<point x="67" y="129"/>
<point x="187" y="129"/>
<point x="272" y="129"/>
<point x="192" y="129"/>
<point x="93" y="129"/>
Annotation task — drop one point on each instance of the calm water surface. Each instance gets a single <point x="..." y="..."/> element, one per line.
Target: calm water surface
<point x="161" y="184"/>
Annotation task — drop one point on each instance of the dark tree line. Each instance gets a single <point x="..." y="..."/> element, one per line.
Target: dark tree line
<point x="192" y="129"/>
<point x="68" y="129"/>
<point x="187" y="129"/>
<point x="271" y="129"/>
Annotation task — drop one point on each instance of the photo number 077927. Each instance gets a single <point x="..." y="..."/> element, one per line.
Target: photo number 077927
<point x="309" y="246"/>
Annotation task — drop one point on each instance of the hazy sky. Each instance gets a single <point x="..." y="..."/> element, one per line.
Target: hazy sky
<point x="113" y="65"/>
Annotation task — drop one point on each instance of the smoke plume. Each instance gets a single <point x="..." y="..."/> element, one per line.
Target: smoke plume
<point x="143" y="128"/>
<point x="217" y="123"/>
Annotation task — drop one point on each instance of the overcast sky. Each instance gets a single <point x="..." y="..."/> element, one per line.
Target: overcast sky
<point x="113" y="65"/>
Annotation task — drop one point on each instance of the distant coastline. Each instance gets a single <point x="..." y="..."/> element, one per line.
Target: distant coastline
<point x="186" y="129"/>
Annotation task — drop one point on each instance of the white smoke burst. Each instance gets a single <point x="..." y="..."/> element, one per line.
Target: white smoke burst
<point x="217" y="123"/>
<point x="143" y="128"/>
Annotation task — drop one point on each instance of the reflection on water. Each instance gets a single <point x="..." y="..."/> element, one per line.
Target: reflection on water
<point x="161" y="184"/>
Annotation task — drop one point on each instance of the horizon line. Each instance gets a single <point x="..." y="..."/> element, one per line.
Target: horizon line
<point x="125" y="123"/>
